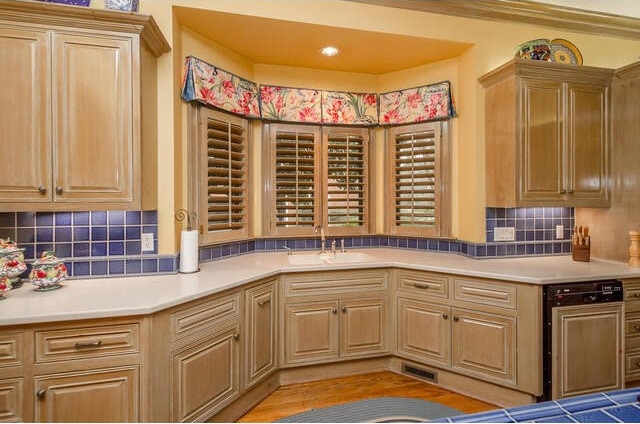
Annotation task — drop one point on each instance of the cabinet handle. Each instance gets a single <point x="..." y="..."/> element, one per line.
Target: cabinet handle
<point x="41" y="393"/>
<point x="236" y="336"/>
<point x="636" y="294"/>
<point x="445" y="316"/>
<point x="456" y="319"/>
<point x="261" y="303"/>
<point x="58" y="190"/>
<point x="421" y="285"/>
<point x="563" y="191"/>
<point x="334" y="310"/>
<point x="42" y="190"/>
<point x="570" y="191"/>
<point x="636" y="327"/>
<point x="344" y="309"/>
<point x="85" y="345"/>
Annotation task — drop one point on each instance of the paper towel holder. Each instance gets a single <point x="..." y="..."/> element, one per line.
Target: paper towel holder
<point x="181" y="215"/>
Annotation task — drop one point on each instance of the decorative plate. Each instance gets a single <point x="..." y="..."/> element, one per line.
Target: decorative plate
<point x="564" y="51"/>
<point x="538" y="49"/>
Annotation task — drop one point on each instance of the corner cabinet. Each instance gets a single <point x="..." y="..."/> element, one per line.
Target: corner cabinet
<point x="78" y="108"/>
<point x="547" y="136"/>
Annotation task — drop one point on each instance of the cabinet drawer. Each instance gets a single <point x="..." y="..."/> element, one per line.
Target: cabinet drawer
<point x="632" y="296"/>
<point x="89" y="342"/>
<point x="423" y="283"/>
<point x="203" y="315"/>
<point x="632" y="325"/>
<point x="485" y="292"/>
<point x="11" y="349"/>
<point x="335" y="282"/>
<point x="632" y="366"/>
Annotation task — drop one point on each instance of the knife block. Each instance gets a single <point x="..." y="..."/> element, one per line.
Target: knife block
<point x="580" y="252"/>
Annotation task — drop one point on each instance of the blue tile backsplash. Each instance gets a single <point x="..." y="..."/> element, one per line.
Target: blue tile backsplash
<point x="108" y="243"/>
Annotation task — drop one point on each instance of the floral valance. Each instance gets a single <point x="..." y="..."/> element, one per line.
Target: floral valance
<point x="215" y="87"/>
<point x="425" y="103"/>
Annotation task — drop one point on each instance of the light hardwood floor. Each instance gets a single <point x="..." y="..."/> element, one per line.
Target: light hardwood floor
<point x="294" y="398"/>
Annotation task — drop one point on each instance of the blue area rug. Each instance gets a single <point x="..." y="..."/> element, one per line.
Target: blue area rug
<point x="379" y="410"/>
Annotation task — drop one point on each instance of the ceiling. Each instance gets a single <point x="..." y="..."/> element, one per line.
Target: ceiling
<point x="286" y="43"/>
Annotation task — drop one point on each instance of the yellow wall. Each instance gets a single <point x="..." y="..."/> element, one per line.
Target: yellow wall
<point x="493" y="42"/>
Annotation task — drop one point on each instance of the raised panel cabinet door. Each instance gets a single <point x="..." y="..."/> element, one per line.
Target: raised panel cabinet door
<point x="260" y="351"/>
<point x="540" y="172"/>
<point x="205" y="376"/>
<point x="93" y="118"/>
<point x="588" y="144"/>
<point x="311" y="332"/>
<point x="484" y="345"/>
<point x="110" y="395"/>
<point x="25" y="110"/>
<point x="363" y="327"/>
<point x="12" y="400"/>
<point x="424" y="331"/>
<point x="587" y="349"/>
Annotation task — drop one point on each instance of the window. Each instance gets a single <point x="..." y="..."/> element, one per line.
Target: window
<point x="418" y="203"/>
<point x="318" y="176"/>
<point x="222" y="177"/>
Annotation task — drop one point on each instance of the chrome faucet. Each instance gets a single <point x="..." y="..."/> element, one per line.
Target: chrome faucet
<point x="333" y="247"/>
<point x="318" y="229"/>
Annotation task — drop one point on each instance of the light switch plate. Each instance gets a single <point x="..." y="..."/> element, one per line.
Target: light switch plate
<point x="147" y="242"/>
<point x="559" y="231"/>
<point x="504" y="234"/>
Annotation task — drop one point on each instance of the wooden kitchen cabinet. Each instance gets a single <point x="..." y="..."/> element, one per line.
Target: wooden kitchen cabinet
<point x="261" y="323"/>
<point x="424" y="331"/>
<point x="331" y="316"/>
<point x="631" y="292"/>
<point x="78" y="109"/>
<point x="547" y="135"/>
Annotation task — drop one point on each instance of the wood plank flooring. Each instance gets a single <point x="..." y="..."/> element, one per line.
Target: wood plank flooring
<point x="294" y="398"/>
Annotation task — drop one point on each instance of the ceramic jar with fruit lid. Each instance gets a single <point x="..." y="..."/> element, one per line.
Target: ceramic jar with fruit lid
<point x="12" y="262"/>
<point x="5" y="286"/>
<point x="48" y="272"/>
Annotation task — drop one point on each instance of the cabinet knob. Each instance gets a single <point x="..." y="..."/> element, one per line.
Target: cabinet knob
<point x="344" y="309"/>
<point x="456" y="319"/>
<point x="636" y="327"/>
<point x="570" y="191"/>
<point x="236" y="336"/>
<point x="637" y="364"/>
<point x="261" y="303"/>
<point x="42" y="190"/>
<point x="445" y="316"/>
<point x="563" y="191"/>
<point x="58" y="190"/>
<point x="41" y="393"/>
<point x="636" y="294"/>
<point x="334" y="310"/>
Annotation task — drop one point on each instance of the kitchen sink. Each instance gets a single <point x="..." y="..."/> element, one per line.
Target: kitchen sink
<point x="316" y="258"/>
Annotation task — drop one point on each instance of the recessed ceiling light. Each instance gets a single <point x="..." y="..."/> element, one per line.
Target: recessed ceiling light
<point x="329" y="51"/>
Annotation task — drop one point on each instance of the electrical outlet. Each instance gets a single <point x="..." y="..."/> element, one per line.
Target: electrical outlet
<point x="504" y="234"/>
<point x="147" y="242"/>
<point x="559" y="231"/>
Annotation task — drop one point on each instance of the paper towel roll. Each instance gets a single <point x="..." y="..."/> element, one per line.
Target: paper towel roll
<point x="189" y="251"/>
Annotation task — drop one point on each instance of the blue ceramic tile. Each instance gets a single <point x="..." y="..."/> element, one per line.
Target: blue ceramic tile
<point x="204" y="254"/>
<point x="8" y="233"/>
<point x="29" y="251"/>
<point x="133" y="217"/>
<point x="98" y="218"/>
<point x="433" y="245"/>
<point x="464" y="248"/>
<point x="116" y="248"/>
<point x="146" y="229"/>
<point x="99" y="249"/>
<point x="149" y="217"/>
<point x="62" y="219"/>
<point x="116" y="233"/>
<point x="627" y="413"/>
<point x="25" y="235"/>
<point x="44" y="219"/>
<point x="7" y="219"/>
<point x="510" y="213"/>
<point x="116" y="267"/>
<point x="132" y="233"/>
<point x="81" y="269"/>
<point x="581" y="403"/>
<point x="556" y="419"/>
<point x="226" y="251"/>
<point x="481" y="251"/>
<point x="501" y="250"/>
<point x="596" y="416"/>
<point x="98" y="233"/>
<point x="501" y="213"/>
<point x="99" y="268"/>
<point x="44" y="235"/>
<point x="133" y="266"/>
<point x="535" y="411"/>
<point x="260" y="244"/>
<point x="443" y="246"/>
<point x="497" y="416"/>
<point x="81" y="218"/>
<point x="115" y="217"/>
<point x="216" y="253"/>
<point x="491" y="251"/>
<point x="81" y="249"/>
<point x="149" y="265"/>
<point x="63" y="234"/>
<point x="490" y="213"/>
<point x="521" y="250"/>
<point x="233" y="249"/>
<point x="64" y="250"/>
<point x="251" y="246"/>
<point x="165" y="265"/>
<point x="402" y="242"/>
<point x="81" y="234"/>
<point x="624" y="395"/>
<point x="454" y="246"/>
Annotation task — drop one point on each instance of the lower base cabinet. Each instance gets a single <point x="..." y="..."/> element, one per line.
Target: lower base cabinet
<point x="109" y="395"/>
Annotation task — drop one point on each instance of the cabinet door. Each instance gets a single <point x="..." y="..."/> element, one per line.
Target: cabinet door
<point x="260" y="352"/>
<point x="110" y="395"/>
<point x="12" y="400"/>
<point x="205" y="376"/>
<point x="484" y="345"/>
<point x="587" y="349"/>
<point x="311" y="332"/>
<point x="93" y="118"/>
<point x="424" y="331"/>
<point x="540" y="172"/>
<point x="587" y="145"/>
<point x="25" y="174"/>
<point x="363" y="327"/>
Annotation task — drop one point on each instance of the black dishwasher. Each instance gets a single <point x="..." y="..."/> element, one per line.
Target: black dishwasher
<point x="582" y="299"/>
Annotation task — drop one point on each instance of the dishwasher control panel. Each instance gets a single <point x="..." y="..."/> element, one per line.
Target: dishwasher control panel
<point x="584" y="293"/>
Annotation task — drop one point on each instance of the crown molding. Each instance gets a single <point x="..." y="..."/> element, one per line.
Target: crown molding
<point x="527" y="12"/>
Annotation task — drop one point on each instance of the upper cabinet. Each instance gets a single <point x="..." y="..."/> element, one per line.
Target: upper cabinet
<point x="547" y="134"/>
<point x="78" y="108"/>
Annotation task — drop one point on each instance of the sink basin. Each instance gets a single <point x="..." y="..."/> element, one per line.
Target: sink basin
<point x="316" y="258"/>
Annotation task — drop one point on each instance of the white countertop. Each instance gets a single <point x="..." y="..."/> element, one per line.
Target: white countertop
<point x="123" y="296"/>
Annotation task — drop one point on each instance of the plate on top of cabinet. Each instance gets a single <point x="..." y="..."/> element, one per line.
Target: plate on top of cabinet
<point x="564" y="51"/>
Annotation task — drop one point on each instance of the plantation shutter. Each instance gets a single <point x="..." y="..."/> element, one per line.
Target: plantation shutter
<point x="346" y="179"/>
<point x="223" y="210"/>
<point x="295" y="182"/>
<point x="415" y="166"/>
